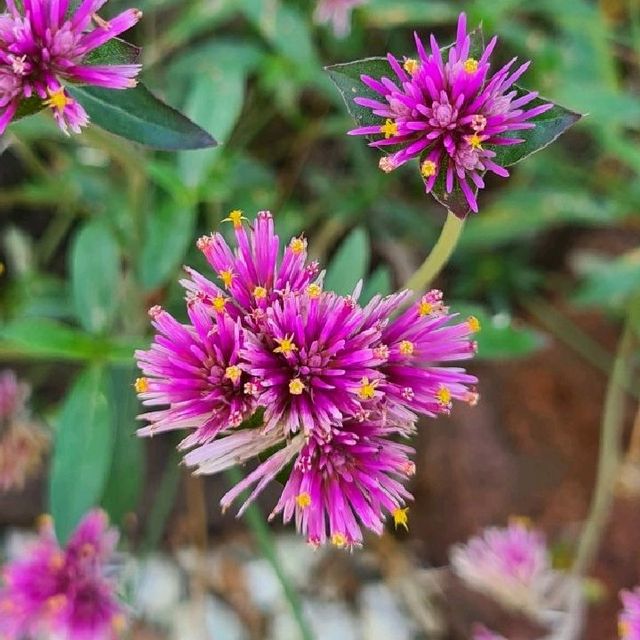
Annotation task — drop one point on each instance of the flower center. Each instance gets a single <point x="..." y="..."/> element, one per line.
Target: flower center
<point x="285" y="345"/>
<point x="303" y="500"/>
<point x="141" y="385"/>
<point x="367" y="389"/>
<point x="400" y="518"/>
<point x="389" y="128"/>
<point x="428" y="168"/>
<point x="236" y="218"/>
<point x="296" y="387"/>
<point x="219" y="303"/>
<point x="233" y="373"/>
<point x="58" y="100"/>
<point x="470" y="65"/>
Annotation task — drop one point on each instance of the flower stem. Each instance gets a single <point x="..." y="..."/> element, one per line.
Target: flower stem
<point x="256" y="522"/>
<point x="439" y="255"/>
<point x="609" y="458"/>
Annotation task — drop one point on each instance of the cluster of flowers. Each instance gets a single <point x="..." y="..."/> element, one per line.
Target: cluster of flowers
<point x="448" y="113"/>
<point x="64" y="593"/>
<point x="331" y="384"/>
<point x="46" y="44"/>
<point x="23" y="442"/>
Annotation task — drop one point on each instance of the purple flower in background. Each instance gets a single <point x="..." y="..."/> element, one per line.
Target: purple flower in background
<point x="451" y="113"/>
<point x="63" y="592"/>
<point x="512" y="565"/>
<point x="332" y="384"/>
<point x="338" y="13"/>
<point x="629" y="618"/>
<point x="45" y="44"/>
<point x="480" y="632"/>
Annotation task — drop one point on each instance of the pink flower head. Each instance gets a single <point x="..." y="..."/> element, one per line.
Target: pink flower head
<point x="629" y="618"/>
<point x="512" y="565"/>
<point x="337" y="13"/>
<point x="63" y="592"/>
<point x="13" y="396"/>
<point x="451" y="114"/>
<point x="480" y="632"/>
<point x="45" y="44"/>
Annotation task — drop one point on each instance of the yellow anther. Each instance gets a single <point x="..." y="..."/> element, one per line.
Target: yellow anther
<point x="56" y="603"/>
<point x="141" y="385"/>
<point x="624" y="629"/>
<point x="259" y="293"/>
<point x="285" y="345"/>
<point x="389" y="128"/>
<point x="407" y="348"/>
<point x="314" y="290"/>
<point x="303" y="500"/>
<point x="367" y="389"/>
<point x="118" y="623"/>
<point x="219" y="303"/>
<point x="236" y="218"/>
<point x="411" y="66"/>
<point x="233" y="373"/>
<point x="470" y="65"/>
<point x="57" y="560"/>
<point x="297" y="245"/>
<point x="227" y="277"/>
<point x="424" y="308"/>
<point x="443" y="395"/>
<point x="296" y="387"/>
<point x="475" y="141"/>
<point x="58" y="100"/>
<point x="474" y="324"/>
<point x="339" y="540"/>
<point x="428" y="168"/>
<point x="401" y="518"/>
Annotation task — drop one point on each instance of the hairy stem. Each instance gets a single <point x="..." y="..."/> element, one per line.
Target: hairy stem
<point x="439" y="255"/>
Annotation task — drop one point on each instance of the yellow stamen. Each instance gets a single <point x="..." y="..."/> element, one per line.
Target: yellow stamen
<point x="297" y="245"/>
<point x="339" y="540"/>
<point x="443" y="395"/>
<point x="314" y="290"/>
<point x="226" y="277"/>
<point x="56" y="603"/>
<point x="411" y="66"/>
<point x="233" y="373"/>
<point x="58" y="100"/>
<point x="401" y="518"/>
<point x="56" y="561"/>
<point x="236" y="218"/>
<point x="406" y="348"/>
<point x="470" y="65"/>
<point x="428" y="168"/>
<point x="624" y="629"/>
<point x="296" y="387"/>
<point x="389" y="128"/>
<point x="474" y="324"/>
<point x="424" y="308"/>
<point x="285" y="345"/>
<point x="259" y="293"/>
<point x="367" y="389"/>
<point x="141" y="385"/>
<point x="475" y="141"/>
<point x="219" y="303"/>
<point x="118" y="623"/>
<point x="303" y="500"/>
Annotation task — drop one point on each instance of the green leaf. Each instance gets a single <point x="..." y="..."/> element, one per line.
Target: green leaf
<point x="379" y="282"/>
<point x="95" y="274"/>
<point x="500" y="337"/>
<point x="82" y="452"/>
<point x="136" y="114"/>
<point x="124" y="483"/>
<point x="349" y="264"/>
<point x="115" y="51"/>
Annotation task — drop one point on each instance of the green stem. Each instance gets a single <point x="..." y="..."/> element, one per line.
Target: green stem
<point x="610" y="454"/>
<point x="439" y="255"/>
<point x="256" y="522"/>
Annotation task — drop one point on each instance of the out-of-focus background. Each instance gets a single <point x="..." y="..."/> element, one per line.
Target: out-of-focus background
<point x="94" y="230"/>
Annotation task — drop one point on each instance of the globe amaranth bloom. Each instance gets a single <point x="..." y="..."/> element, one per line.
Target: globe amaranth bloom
<point x="332" y="385"/>
<point x="451" y="113"/>
<point x="23" y="441"/>
<point x="56" y="592"/>
<point x="629" y="617"/>
<point x="337" y="13"/>
<point x="45" y="44"/>
<point x="512" y="565"/>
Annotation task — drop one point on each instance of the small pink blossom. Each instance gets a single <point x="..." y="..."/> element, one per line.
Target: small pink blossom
<point x="337" y="13"/>
<point x="629" y="618"/>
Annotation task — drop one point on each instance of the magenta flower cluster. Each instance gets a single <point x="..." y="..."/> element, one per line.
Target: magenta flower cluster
<point x="63" y="593"/>
<point x="451" y="113"/>
<point x="325" y="383"/>
<point x="45" y="44"/>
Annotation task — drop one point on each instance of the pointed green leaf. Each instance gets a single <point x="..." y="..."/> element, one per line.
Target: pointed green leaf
<point x="349" y="264"/>
<point x="136" y="114"/>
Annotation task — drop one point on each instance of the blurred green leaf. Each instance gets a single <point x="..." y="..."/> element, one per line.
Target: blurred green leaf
<point x="95" y="274"/>
<point x="379" y="282"/>
<point x="115" y="51"/>
<point x="349" y="264"/>
<point x="136" y="114"/>
<point x="82" y="452"/>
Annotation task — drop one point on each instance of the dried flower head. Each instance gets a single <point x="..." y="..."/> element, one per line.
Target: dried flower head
<point x="56" y="592"/>
<point x="45" y="44"/>
<point x="449" y="111"/>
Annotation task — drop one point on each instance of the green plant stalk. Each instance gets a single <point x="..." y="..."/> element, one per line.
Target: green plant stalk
<point x="610" y="455"/>
<point x="256" y="522"/>
<point x="439" y="255"/>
